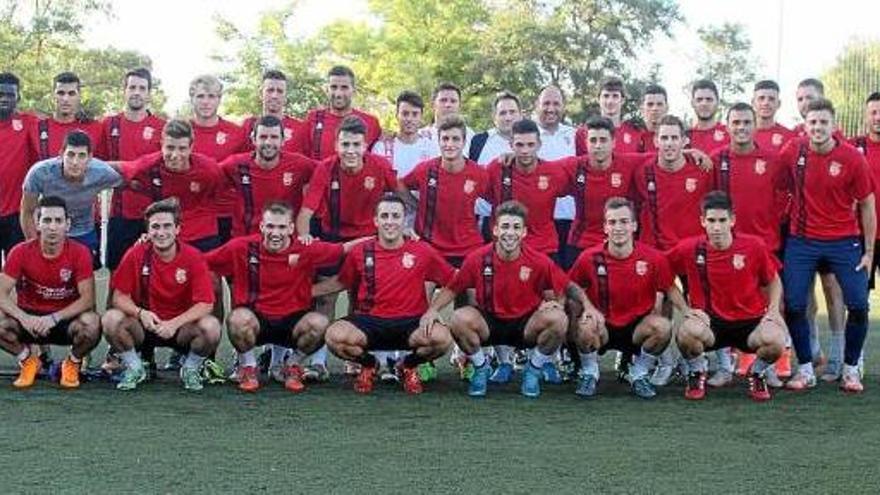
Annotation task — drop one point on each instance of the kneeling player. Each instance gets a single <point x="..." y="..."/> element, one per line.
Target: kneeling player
<point x="162" y="297"/>
<point x="624" y="278"/>
<point x="387" y="278"/>
<point x="735" y="291"/>
<point x="55" y="297"/>
<point x="518" y="301"/>
<point x="272" y="277"/>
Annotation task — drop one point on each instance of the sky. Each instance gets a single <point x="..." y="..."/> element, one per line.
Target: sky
<point x="791" y="39"/>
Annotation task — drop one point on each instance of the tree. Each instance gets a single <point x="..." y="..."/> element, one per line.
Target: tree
<point x="726" y="58"/>
<point x="854" y="76"/>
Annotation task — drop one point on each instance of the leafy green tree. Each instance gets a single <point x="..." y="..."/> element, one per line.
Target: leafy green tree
<point x="854" y="76"/>
<point x="726" y="58"/>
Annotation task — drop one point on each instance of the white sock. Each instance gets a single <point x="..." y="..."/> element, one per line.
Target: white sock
<point x="320" y="356"/>
<point x="193" y="360"/>
<point x="504" y="353"/>
<point x="590" y="363"/>
<point x="815" y="348"/>
<point x="478" y="358"/>
<point x="381" y="357"/>
<point x="24" y="354"/>
<point x="279" y="353"/>
<point x="539" y="359"/>
<point x="806" y="369"/>
<point x="247" y="358"/>
<point x="697" y="364"/>
<point x="850" y="370"/>
<point x="642" y="364"/>
<point x="759" y="366"/>
<point x="725" y="363"/>
<point x="835" y="347"/>
<point x="296" y="357"/>
<point x="669" y="356"/>
<point x="130" y="359"/>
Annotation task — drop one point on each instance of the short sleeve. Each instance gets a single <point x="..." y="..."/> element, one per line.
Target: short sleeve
<point x="12" y="267"/>
<point x="348" y="273"/>
<point x="580" y="273"/>
<point x="221" y="260"/>
<point x="465" y="277"/>
<point x="325" y="253"/>
<point x="317" y="187"/>
<point x="83" y="264"/>
<point x="202" y="285"/>
<point x="439" y="270"/>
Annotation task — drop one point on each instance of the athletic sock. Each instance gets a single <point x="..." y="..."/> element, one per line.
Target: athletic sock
<point x="759" y="366"/>
<point x="412" y="360"/>
<point x="850" y="370"/>
<point x="366" y="360"/>
<point x="504" y="353"/>
<point x="296" y="357"/>
<point x="725" y="362"/>
<point x="247" y="358"/>
<point x="73" y="358"/>
<point x="642" y="364"/>
<point x="835" y="347"/>
<point x="279" y="353"/>
<point x="24" y="354"/>
<point x="320" y="356"/>
<point x="193" y="360"/>
<point x="590" y="363"/>
<point x="382" y="357"/>
<point x="538" y="359"/>
<point x="697" y="364"/>
<point x="478" y="358"/>
<point x="130" y="359"/>
<point x="815" y="347"/>
<point x="806" y="369"/>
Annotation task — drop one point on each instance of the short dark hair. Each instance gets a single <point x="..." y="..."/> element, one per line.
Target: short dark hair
<point x="616" y="202"/>
<point x="275" y="75"/>
<point x="410" y="97"/>
<point x="812" y="82"/>
<point x="506" y="95"/>
<point x="389" y="197"/>
<point x="352" y="125"/>
<point x="716" y="200"/>
<point x="278" y="206"/>
<point x="10" y="78"/>
<point x="525" y="126"/>
<point x="267" y="121"/>
<point x="445" y="86"/>
<point x="766" y="84"/>
<point x="178" y="129"/>
<point x="598" y="122"/>
<point x="741" y="106"/>
<point x="613" y="84"/>
<point x="819" y="105"/>
<point x="875" y="96"/>
<point x="341" y="71"/>
<point x="452" y="122"/>
<point x="67" y="78"/>
<point x="77" y="138"/>
<point x="140" y="72"/>
<point x="52" y="202"/>
<point x="167" y="205"/>
<point x="704" y="84"/>
<point x="655" y="89"/>
<point x="511" y="208"/>
<point x="672" y="120"/>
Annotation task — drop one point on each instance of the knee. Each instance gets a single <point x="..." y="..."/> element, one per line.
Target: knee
<point x="441" y="338"/>
<point x="240" y="319"/>
<point x="464" y="321"/>
<point x="209" y="328"/>
<point x="334" y="336"/>
<point x="112" y="321"/>
<point x="316" y="324"/>
<point x="89" y="326"/>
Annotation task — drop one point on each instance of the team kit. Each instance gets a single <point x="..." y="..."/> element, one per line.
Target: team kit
<point x="530" y="249"/>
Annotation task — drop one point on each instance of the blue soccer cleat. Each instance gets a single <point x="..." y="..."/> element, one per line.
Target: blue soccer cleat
<point x="531" y="381"/>
<point x="480" y="380"/>
<point x="551" y="373"/>
<point x="503" y="374"/>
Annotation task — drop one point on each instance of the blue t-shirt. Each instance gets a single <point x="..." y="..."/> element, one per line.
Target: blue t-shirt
<point x="45" y="179"/>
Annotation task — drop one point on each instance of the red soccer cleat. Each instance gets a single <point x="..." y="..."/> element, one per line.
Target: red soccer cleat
<point x="758" y="389"/>
<point x="363" y="384"/>
<point x="696" y="386"/>
<point x="293" y="379"/>
<point x="412" y="384"/>
<point x="744" y="362"/>
<point x="248" y="379"/>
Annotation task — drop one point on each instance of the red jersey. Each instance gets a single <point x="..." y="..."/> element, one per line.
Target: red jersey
<point x="290" y="126"/>
<point x="757" y="184"/>
<point x="735" y="276"/>
<point x="318" y="137"/>
<point x="46" y="285"/>
<point x="627" y="139"/>
<point x="825" y="188"/>
<point x="509" y="289"/>
<point x="537" y="190"/>
<point x="774" y="138"/>
<point x="195" y="189"/>
<point x="871" y="151"/>
<point x="124" y="140"/>
<point x="623" y="289"/>
<point x="272" y="284"/>
<point x="255" y="185"/>
<point x="346" y="201"/>
<point x="670" y="202"/>
<point x="709" y="140"/>
<point x="16" y="157"/>
<point x="219" y="142"/>
<point x="445" y="217"/>
<point x="592" y="188"/>
<point x="800" y="131"/>
<point x="390" y="283"/>
<point x="47" y="135"/>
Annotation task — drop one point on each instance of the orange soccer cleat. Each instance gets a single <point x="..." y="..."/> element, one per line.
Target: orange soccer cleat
<point x="69" y="373"/>
<point x="293" y="379"/>
<point x="744" y="361"/>
<point x="30" y="367"/>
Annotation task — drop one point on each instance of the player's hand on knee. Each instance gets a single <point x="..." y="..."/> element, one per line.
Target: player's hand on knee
<point x="427" y="322"/>
<point x="592" y="315"/>
<point x="550" y="305"/>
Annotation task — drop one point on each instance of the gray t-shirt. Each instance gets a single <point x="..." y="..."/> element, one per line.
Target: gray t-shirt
<point x="45" y="179"/>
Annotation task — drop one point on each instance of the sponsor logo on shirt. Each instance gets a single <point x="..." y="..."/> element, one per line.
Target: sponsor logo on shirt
<point x="543" y="182"/>
<point x="834" y="169"/>
<point x="469" y="186"/>
<point x="287" y="179"/>
<point x="288" y="133"/>
<point x="148" y="133"/>
<point x="641" y="268"/>
<point x="408" y="260"/>
<point x="195" y="187"/>
<point x="690" y="184"/>
<point x="776" y="139"/>
<point x="221" y="138"/>
<point x="524" y="273"/>
<point x="760" y="167"/>
<point x="64" y="274"/>
<point x="616" y="180"/>
<point x="17" y="126"/>
<point x="180" y="276"/>
<point x="719" y="135"/>
<point x="369" y="183"/>
<point x="739" y="261"/>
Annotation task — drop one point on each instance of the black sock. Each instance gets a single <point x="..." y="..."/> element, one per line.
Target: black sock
<point x="412" y="360"/>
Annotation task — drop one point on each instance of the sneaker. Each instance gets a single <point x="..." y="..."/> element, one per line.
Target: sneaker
<point x="721" y="378"/>
<point x="502" y="374"/>
<point x="772" y="379"/>
<point x="466" y="369"/>
<point x="318" y="372"/>
<point x="550" y="374"/>
<point x="662" y="375"/>
<point x="112" y="364"/>
<point x="851" y="383"/>
<point x="350" y="368"/>
<point x="69" y="373"/>
<point x="412" y="384"/>
<point x="832" y="373"/>
<point x="212" y="372"/>
<point x="276" y="373"/>
<point x="531" y="381"/>
<point x="388" y="374"/>
<point x="587" y="385"/>
<point x="264" y="360"/>
<point x="758" y="390"/>
<point x="695" y="389"/>
<point x="174" y="362"/>
<point x="427" y="372"/>
<point x="744" y="363"/>
<point x="363" y="384"/>
<point x="783" y="364"/>
<point x="293" y="378"/>
<point x="479" y="380"/>
<point x="191" y="378"/>
<point x="30" y="367"/>
<point x="801" y="382"/>
<point x="248" y="378"/>
<point x="131" y="377"/>
<point x="643" y="389"/>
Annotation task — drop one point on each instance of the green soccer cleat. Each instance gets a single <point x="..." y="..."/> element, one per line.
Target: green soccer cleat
<point x="191" y="378"/>
<point x="213" y="373"/>
<point x="131" y="377"/>
<point x="427" y="372"/>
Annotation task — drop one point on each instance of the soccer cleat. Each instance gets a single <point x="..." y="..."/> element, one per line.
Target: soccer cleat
<point x="69" y="373"/>
<point x="248" y="378"/>
<point x="783" y="364"/>
<point x="744" y="363"/>
<point x="293" y="378"/>
<point x="801" y="381"/>
<point x="131" y="377"/>
<point x="833" y="371"/>
<point x="264" y="360"/>
<point x="851" y="383"/>
<point x="479" y="380"/>
<point x="502" y="374"/>
<point x="212" y="372"/>
<point x="773" y="381"/>
<point x="466" y="369"/>
<point x="550" y="374"/>
<point x="643" y="389"/>
<point x="587" y="385"/>
<point x="758" y="389"/>
<point x="363" y="384"/>
<point x="622" y="363"/>
<point x="350" y="368"/>
<point x="662" y="375"/>
<point x="276" y="373"/>
<point x="318" y="372"/>
<point x="531" y="381"/>
<point x="721" y="378"/>
<point x="388" y="374"/>
<point x="695" y="389"/>
<point x="412" y="384"/>
<point x="174" y="362"/>
<point x="191" y="378"/>
<point x="427" y="371"/>
<point x="30" y="367"/>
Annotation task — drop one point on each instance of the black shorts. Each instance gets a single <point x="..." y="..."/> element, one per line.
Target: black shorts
<point x="621" y="338"/>
<point x="10" y="232"/>
<point x="278" y="331"/>
<point x="58" y="335"/>
<point x="570" y="255"/>
<point x="152" y="341"/>
<point x="732" y="333"/>
<point x="206" y="244"/>
<point x="385" y="334"/>
<point x="224" y="230"/>
<point x="503" y="331"/>
<point x="122" y="233"/>
<point x="455" y="261"/>
<point x="874" y="264"/>
<point x="563" y="226"/>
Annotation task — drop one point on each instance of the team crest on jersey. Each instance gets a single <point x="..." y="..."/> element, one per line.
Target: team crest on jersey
<point x="180" y="276"/>
<point x="334" y="185"/>
<point x="627" y="138"/>
<point x="641" y="268"/>
<point x="652" y="186"/>
<point x="760" y="167"/>
<point x="148" y="133"/>
<point x="543" y="182"/>
<point x="221" y="138"/>
<point x="17" y="126"/>
<point x="690" y="184"/>
<point x="408" y="260"/>
<point x="739" y="261"/>
<point x="776" y="139"/>
<point x="287" y="178"/>
<point x="718" y="136"/>
<point x="195" y="187"/>
<point x="288" y="133"/>
<point x="469" y="186"/>
<point x="524" y="273"/>
<point x="834" y="169"/>
<point x="369" y="183"/>
<point x="292" y="259"/>
<point x="616" y="180"/>
<point x="64" y="274"/>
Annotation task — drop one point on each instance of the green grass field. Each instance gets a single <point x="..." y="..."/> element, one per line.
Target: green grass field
<point x="162" y="439"/>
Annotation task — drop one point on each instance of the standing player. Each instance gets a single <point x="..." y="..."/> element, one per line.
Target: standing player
<point x="408" y="147"/>
<point x="445" y="102"/>
<point x="128" y="135"/>
<point x="624" y="278"/>
<point x="15" y="159"/>
<point x="655" y="105"/>
<point x="318" y="139"/>
<point x="734" y="290"/>
<point x="273" y="97"/>
<point x="162" y="297"/>
<point x="489" y="145"/>
<point x="54" y="300"/>
<point x="829" y="178"/>
<point x="707" y="134"/>
<point x="869" y="145"/>
<point x="769" y="135"/>
<point x="612" y="95"/>
<point x="47" y="135"/>
<point x="387" y="277"/>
